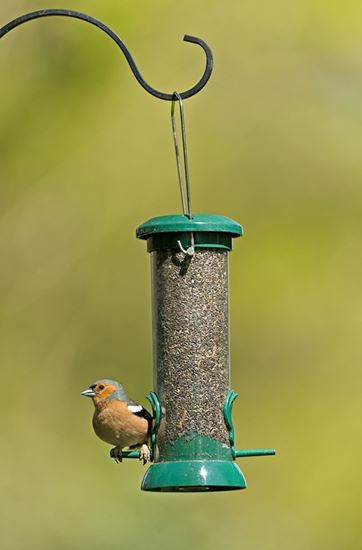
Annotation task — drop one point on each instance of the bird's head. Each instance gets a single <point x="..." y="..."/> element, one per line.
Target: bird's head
<point x="103" y="391"/>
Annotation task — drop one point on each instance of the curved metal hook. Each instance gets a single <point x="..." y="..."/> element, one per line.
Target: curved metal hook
<point x="84" y="17"/>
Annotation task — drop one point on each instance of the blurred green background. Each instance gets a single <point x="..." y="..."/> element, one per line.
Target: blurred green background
<point x="86" y="155"/>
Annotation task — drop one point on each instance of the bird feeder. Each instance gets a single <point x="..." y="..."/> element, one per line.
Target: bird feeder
<point x="192" y="440"/>
<point x="190" y="309"/>
<point x="194" y="450"/>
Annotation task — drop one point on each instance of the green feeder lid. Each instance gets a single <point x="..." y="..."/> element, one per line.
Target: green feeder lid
<point x="209" y="231"/>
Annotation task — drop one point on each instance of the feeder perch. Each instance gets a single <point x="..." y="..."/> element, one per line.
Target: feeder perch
<point x="192" y="441"/>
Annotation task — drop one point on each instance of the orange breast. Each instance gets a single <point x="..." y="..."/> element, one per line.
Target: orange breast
<point x="116" y="425"/>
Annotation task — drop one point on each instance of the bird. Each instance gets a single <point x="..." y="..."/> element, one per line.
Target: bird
<point x="118" y="420"/>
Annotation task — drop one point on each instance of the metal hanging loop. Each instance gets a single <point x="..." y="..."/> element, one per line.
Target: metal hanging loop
<point x="84" y="17"/>
<point x="184" y="179"/>
<point x="183" y="175"/>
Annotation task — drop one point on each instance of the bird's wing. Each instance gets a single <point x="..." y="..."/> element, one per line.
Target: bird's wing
<point x="138" y="410"/>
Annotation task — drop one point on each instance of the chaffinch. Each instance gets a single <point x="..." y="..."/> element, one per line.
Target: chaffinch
<point x="118" y="420"/>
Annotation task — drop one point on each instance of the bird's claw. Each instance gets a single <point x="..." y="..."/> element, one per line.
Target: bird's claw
<point x="116" y="454"/>
<point x="145" y="454"/>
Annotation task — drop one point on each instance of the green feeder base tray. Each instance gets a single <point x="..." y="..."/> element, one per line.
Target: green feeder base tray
<point x="191" y="476"/>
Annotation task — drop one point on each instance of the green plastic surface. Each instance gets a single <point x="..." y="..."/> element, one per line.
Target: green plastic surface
<point x="179" y="223"/>
<point x="193" y="476"/>
<point x="194" y="463"/>
<point x="209" y="231"/>
<point x="239" y="453"/>
<point x="157" y="413"/>
<point x="192" y="446"/>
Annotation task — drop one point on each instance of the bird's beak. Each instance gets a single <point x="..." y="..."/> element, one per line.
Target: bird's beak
<point x="88" y="393"/>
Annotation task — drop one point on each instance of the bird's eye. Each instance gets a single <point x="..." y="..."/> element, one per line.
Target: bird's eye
<point x="101" y="387"/>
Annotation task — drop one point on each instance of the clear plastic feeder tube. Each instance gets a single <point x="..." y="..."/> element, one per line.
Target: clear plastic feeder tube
<point x="190" y="306"/>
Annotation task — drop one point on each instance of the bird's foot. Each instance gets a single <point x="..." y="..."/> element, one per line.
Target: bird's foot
<point x="116" y="453"/>
<point x="145" y="454"/>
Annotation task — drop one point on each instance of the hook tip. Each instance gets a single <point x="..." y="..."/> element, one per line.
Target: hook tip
<point x="196" y="40"/>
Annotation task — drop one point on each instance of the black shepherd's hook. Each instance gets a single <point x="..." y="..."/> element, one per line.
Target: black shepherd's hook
<point x="78" y="15"/>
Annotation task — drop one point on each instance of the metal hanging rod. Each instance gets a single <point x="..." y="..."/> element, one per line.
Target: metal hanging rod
<point x="84" y="17"/>
<point x="184" y="179"/>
